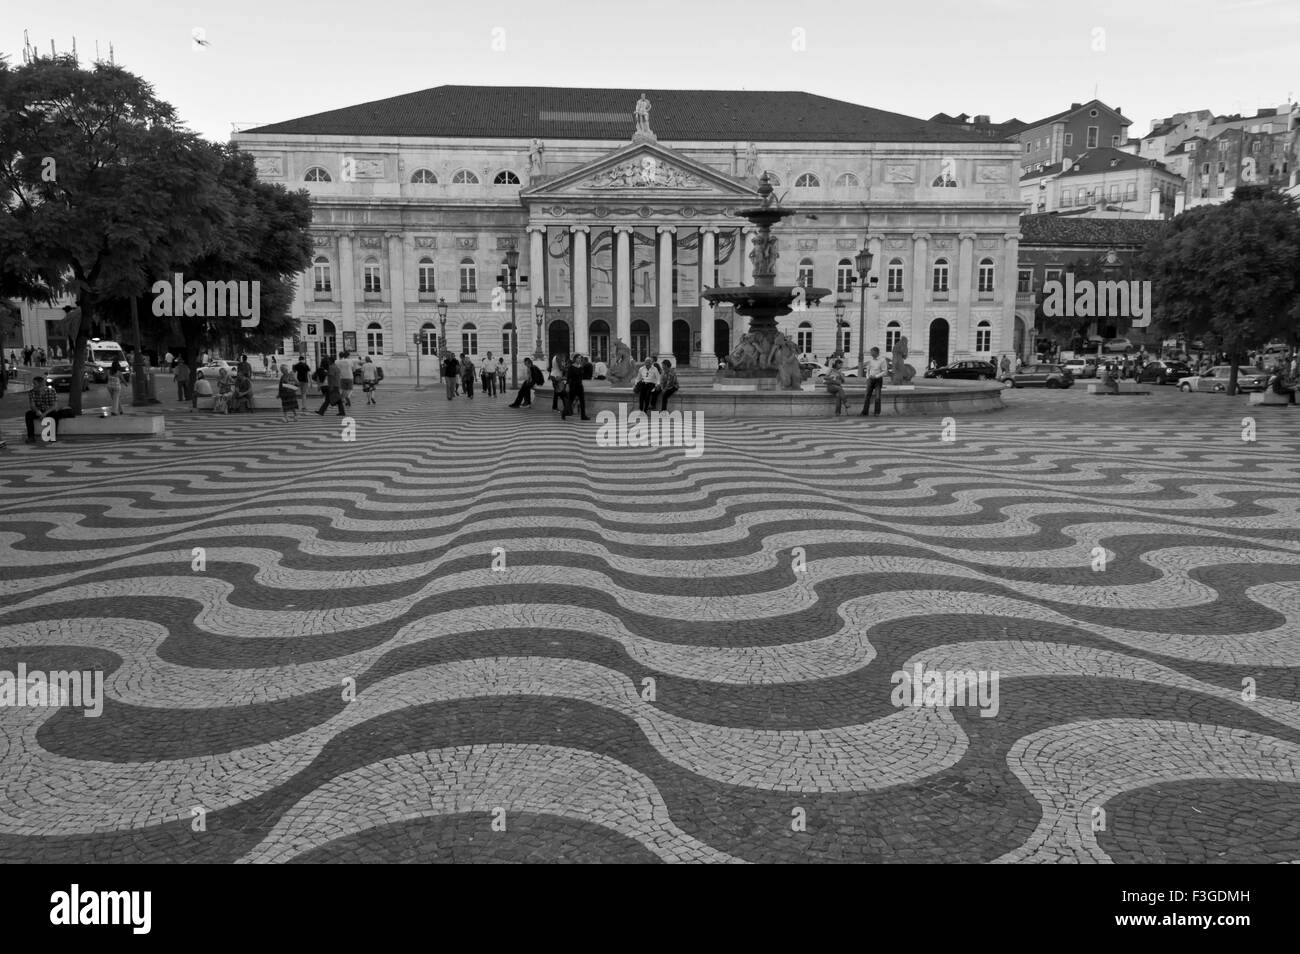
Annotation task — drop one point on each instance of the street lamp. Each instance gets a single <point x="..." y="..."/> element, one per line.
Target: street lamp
<point x="539" y="310"/>
<point x="840" y="324"/>
<point x="442" y="332"/>
<point x="862" y="262"/>
<point x="512" y="280"/>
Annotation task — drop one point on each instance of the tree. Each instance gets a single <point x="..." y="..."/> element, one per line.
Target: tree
<point x="1230" y="272"/>
<point x="103" y="192"/>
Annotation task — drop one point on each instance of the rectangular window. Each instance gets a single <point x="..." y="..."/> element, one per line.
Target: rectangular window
<point x="1114" y="141"/>
<point x="321" y="277"/>
<point x="1029" y="147"/>
<point x="894" y="279"/>
<point x="983" y="339"/>
<point x="1069" y="139"/>
<point x="505" y="343"/>
<point x="427" y="284"/>
<point x="1025" y="281"/>
<point x="940" y="284"/>
<point x="374" y="342"/>
<point x="985" y="281"/>
<point x="1092" y="137"/>
<point x="804" y="340"/>
<point x="469" y="342"/>
<point x="1051" y="275"/>
<point x="1067" y="197"/>
<point x="1114" y="193"/>
<point x="1205" y="168"/>
<point x="846" y="340"/>
<point x="373" y="285"/>
<point x="844" y="279"/>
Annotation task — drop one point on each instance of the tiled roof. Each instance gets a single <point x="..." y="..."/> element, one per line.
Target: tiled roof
<point x="1050" y="229"/>
<point x="1074" y="109"/>
<point x="1106" y="159"/>
<point x="1182" y="146"/>
<point x="552" y="112"/>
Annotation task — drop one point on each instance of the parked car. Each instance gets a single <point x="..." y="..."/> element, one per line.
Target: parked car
<point x="212" y="370"/>
<point x="1117" y="346"/>
<point x="1080" y="368"/>
<point x="965" y="371"/>
<point x="60" y="377"/>
<point x="1164" y="372"/>
<point x="1040" y="375"/>
<point x="1216" y="379"/>
<point x="812" y="371"/>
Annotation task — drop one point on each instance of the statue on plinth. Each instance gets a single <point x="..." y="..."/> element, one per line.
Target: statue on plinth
<point x="622" y="369"/>
<point x="899" y="367"/>
<point x="642" y="115"/>
<point x="535" y="158"/>
<point x="751" y="160"/>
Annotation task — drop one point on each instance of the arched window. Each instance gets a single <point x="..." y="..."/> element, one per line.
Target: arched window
<point x="803" y="337"/>
<point x="805" y="273"/>
<point x="893" y="331"/>
<point x="469" y="338"/>
<point x="424" y="177"/>
<point x="640" y="340"/>
<point x="322" y="281"/>
<point x="464" y="177"/>
<point x="808" y="180"/>
<point x="983" y="336"/>
<point x="773" y="178"/>
<point x="847" y="180"/>
<point x="894" y="280"/>
<point x="373" y="282"/>
<point x="986" y="278"/>
<point x="317" y="174"/>
<point x="468" y="280"/>
<point x="374" y="338"/>
<point x="505" y="177"/>
<point x="428" y="339"/>
<point x="598" y="337"/>
<point x="425" y="270"/>
<point x="844" y="277"/>
<point x="940" y="285"/>
<point x="329" y="341"/>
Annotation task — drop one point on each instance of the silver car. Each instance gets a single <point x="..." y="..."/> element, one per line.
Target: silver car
<point x="1216" y="379"/>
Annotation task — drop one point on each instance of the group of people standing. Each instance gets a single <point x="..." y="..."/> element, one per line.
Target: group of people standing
<point x="459" y="374"/>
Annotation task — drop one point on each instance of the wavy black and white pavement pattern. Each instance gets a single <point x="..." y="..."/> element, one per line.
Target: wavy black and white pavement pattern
<point x="518" y="696"/>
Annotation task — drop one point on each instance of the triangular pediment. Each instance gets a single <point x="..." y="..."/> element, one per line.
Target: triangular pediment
<point x="642" y="170"/>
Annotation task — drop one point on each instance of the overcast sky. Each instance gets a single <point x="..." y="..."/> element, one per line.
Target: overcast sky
<point x="270" y="60"/>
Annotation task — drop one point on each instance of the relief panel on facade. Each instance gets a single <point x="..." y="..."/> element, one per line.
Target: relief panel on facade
<point x="269" y="167"/>
<point x="647" y="172"/>
<point x="900" y="173"/>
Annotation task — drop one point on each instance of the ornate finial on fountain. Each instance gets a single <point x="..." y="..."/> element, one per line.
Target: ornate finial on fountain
<point x="765" y="190"/>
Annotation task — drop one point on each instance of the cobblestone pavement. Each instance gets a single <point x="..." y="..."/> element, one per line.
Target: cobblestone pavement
<point x="471" y="634"/>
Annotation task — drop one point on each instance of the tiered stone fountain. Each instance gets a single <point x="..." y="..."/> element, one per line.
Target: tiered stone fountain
<point x="764" y="359"/>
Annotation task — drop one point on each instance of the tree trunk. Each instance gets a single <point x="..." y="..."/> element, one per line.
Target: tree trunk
<point x="1234" y="352"/>
<point x="79" y="337"/>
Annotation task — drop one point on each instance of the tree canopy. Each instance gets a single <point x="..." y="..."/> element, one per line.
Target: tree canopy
<point x="1230" y="272"/>
<point x="103" y="192"/>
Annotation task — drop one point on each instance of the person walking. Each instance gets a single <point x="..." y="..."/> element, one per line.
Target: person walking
<point x="875" y="371"/>
<point x="573" y="388"/>
<point x="647" y="381"/>
<point x="556" y="376"/>
<point x="302" y="371"/>
<point x="450" y="374"/>
<point x="1006" y="367"/>
<point x="288" y="390"/>
<point x="347" y="376"/>
<point x="532" y="378"/>
<point x="467" y="374"/>
<point x="181" y="374"/>
<point x="243" y="367"/>
<point x="369" y="380"/>
<point x="501" y="374"/>
<point x="667" y="385"/>
<point x="488" y="375"/>
<point x="835" y="385"/>
<point x="333" y="387"/>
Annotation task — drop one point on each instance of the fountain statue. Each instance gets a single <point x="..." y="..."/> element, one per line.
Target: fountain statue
<point x="622" y="369"/>
<point x="902" y="373"/>
<point x="764" y="358"/>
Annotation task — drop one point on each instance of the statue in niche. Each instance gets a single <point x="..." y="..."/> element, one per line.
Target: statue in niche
<point x="622" y="369"/>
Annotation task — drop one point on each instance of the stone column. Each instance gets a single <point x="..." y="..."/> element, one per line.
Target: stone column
<point x="623" y="283"/>
<point x="708" y="254"/>
<point x="666" y="233"/>
<point x="581" y="319"/>
<point x="536" y="281"/>
<point x="400" y="345"/>
<point x="965" y="273"/>
<point x="920" y="276"/>
<point x="1005" y="288"/>
<point x="347" y="286"/>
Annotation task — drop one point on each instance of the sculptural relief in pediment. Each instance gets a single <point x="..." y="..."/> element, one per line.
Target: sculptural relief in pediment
<point x="645" y="172"/>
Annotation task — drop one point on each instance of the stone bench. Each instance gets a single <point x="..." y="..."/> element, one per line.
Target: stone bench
<point x="1269" y="397"/>
<point x="1125" y="387"/>
<point x="122" y="425"/>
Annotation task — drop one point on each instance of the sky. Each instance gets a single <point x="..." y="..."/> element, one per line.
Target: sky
<point x="270" y="61"/>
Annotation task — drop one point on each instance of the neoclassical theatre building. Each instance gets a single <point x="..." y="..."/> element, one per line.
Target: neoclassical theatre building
<point x="621" y="204"/>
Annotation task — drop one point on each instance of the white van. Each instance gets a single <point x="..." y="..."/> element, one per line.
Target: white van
<point x="100" y="356"/>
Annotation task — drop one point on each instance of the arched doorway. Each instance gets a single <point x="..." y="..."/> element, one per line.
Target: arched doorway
<point x="1020" y="334"/>
<point x="329" y="342"/>
<point x="681" y="341"/>
<point x="721" y="338"/>
<point x="939" y="341"/>
<point x="599" y="337"/>
<point x="557" y="337"/>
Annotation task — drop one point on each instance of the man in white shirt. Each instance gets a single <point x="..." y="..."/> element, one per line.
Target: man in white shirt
<point x="875" y="369"/>
<point x="647" y="381"/>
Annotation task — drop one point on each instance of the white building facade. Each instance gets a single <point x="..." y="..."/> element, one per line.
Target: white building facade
<point x="418" y="199"/>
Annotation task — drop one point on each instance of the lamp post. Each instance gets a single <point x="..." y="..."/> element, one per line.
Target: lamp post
<point x="862" y="262"/>
<point x="419" y="336"/>
<point x="539" y="310"/>
<point x="442" y="333"/>
<point x="511" y="278"/>
<point x="839" y="325"/>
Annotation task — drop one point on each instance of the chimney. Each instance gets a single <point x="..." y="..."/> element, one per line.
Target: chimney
<point x="1075" y="105"/>
<point x="981" y="120"/>
<point x="1067" y="164"/>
